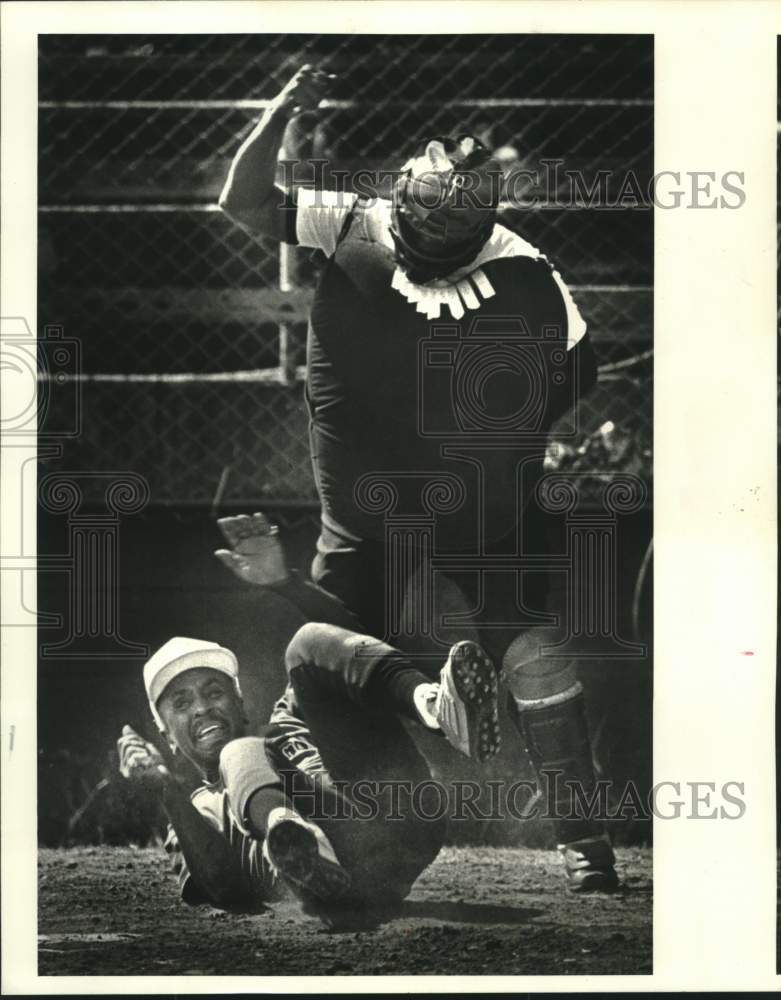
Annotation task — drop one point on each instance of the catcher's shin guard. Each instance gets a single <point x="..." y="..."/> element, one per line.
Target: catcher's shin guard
<point x="555" y="732"/>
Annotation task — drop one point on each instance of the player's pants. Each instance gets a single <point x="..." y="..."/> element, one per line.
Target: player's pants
<point x="355" y="771"/>
<point x="354" y="570"/>
<point x="351" y="690"/>
<point x="547" y="703"/>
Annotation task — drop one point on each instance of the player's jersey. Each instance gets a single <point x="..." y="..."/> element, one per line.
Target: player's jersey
<point x="211" y="801"/>
<point x="288" y="740"/>
<point x="461" y="379"/>
<point x="289" y="748"/>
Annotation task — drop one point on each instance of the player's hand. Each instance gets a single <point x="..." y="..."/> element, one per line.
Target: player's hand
<point x="256" y="555"/>
<point x="141" y="761"/>
<point x="304" y="91"/>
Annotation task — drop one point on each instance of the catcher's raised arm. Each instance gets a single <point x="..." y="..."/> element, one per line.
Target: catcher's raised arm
<point x="250" y="197"/>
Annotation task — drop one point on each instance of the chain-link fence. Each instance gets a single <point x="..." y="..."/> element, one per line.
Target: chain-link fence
<point x="166" y="296"/>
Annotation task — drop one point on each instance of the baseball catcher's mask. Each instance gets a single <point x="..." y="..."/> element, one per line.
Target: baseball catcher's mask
<point x="444" y="206"/>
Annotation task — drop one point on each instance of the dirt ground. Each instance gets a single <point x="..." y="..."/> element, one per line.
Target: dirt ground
<point x="110" y="910"/>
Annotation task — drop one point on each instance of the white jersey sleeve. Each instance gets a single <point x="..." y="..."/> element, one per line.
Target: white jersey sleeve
<point x="320" y="216"/>
<point x="576" y="325"/>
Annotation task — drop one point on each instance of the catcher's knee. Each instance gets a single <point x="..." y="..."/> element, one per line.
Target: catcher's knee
<point x="532" y="673"/>
<point x="244" y="769"/>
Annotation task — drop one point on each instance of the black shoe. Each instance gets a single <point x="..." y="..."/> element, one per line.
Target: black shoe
<point x="303" y="858"/>
<point x="589" y="864"/>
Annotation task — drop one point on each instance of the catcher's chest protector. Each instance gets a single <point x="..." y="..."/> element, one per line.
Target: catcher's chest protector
<point x="388" y="388"/>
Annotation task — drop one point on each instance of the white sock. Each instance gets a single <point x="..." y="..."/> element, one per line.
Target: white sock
<point x="424" y="697"/>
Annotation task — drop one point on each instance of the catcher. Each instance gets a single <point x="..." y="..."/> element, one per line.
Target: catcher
<point x="306" y="804"/>
<point x="441" y="344"/>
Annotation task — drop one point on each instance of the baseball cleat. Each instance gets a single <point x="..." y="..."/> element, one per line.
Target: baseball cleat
<point x="303" y="858"/>
<point x="589" y="864"/>
<point x="467" y="702"/>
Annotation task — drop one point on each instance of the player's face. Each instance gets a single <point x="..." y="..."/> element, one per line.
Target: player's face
<point x="201" y="713"/>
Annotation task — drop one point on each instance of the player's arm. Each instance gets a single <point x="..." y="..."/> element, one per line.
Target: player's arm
<point x="256" y="557"/>
<point x="212" y="866"/>
<point x="250" y="197"/>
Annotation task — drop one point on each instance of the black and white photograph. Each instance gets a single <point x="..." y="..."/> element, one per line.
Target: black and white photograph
<point x="361" y="337"/>
<point x="342" y="447"/>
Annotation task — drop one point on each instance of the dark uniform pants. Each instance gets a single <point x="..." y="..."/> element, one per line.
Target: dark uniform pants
<point x="366" y="784"/>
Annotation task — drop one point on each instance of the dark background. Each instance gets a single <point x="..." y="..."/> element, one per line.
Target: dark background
<point x="135" y="137"/>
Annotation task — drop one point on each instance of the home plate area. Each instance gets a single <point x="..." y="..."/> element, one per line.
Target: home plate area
<point x="475" y="911"/>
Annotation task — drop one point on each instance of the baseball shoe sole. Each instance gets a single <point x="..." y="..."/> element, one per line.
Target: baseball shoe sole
<point x="298" y="856"/>
<point x="589" y="865"/>
<point x="467" y="704"/>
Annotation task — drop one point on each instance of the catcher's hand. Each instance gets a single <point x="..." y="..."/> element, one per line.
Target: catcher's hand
<point x="256" y="554"/>
<point x="141" y="761"/>
<point x="304" y="91"/>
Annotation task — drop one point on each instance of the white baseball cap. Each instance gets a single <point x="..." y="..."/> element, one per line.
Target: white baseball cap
<point x="180" y="654"/>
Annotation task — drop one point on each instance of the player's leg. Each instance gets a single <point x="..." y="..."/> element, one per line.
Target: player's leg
<point x="350" y="733"/>
<point x="352" y="570"/>
<point x="551" y="717"/>
<point x="549" y="712"/>
<point x="352" y="689"/>
<point x="367" y="677"/>
<point x="547" y="707"/>
<point x="293" y="849"/>
<point x="545" y="703"/>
